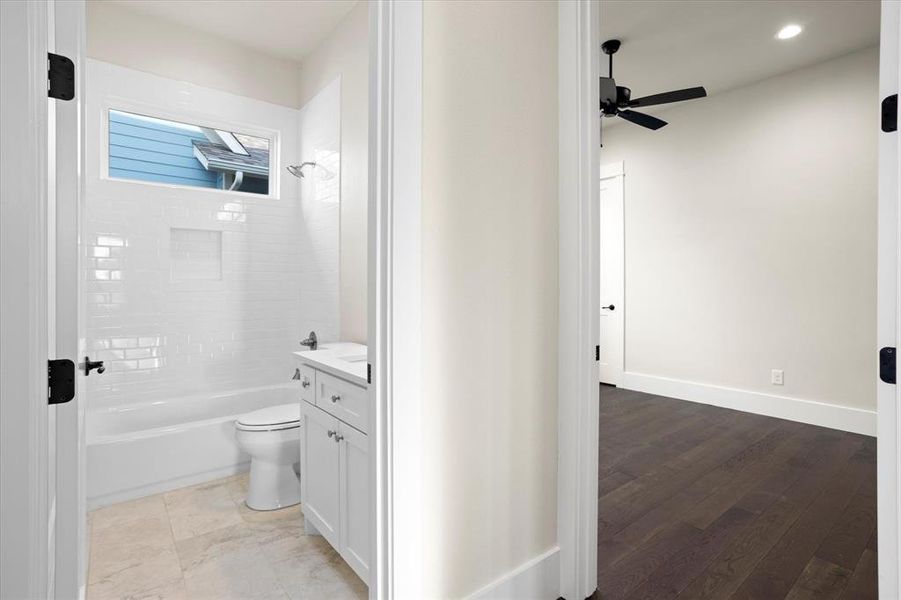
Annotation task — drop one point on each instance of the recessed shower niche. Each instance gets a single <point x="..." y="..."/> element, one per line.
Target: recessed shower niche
<point x="195" y="254"/>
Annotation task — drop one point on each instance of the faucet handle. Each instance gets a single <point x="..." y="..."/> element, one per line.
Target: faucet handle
<point x="312" y="342"/>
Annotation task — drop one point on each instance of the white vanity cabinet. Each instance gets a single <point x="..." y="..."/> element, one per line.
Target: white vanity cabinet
<point x="334" y="461"/>
<point x="320" y="463"/>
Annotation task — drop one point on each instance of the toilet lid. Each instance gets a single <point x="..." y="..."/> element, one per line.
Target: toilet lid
<point x="282" y="416"/>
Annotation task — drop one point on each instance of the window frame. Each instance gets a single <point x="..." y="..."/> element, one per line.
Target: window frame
<point x="188" y="117"/>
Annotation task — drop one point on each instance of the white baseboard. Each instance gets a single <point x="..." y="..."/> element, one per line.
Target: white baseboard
<point x="158" y="487"/>
<point x="855" y="420"/>
<point x="535" y="579"/>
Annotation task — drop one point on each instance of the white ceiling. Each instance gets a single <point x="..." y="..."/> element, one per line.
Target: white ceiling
<point x="725" y="44"/>
<point x="288" y="29"/>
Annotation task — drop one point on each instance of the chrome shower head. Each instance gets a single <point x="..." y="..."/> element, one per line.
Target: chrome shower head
<point x="297" y="170"/>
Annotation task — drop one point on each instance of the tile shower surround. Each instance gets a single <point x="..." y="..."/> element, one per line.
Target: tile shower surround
<point x="165" y="323"/>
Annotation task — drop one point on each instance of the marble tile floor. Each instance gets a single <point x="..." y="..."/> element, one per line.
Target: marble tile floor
<point x="202" y="542"/>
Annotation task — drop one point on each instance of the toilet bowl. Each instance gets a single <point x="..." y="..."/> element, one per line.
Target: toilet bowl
<point x="271" y="436"/>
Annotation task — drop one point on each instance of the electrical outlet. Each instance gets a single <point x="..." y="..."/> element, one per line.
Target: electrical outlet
<point x="776" y="377"/>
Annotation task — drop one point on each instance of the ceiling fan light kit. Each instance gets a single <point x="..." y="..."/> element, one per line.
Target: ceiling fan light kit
<point x="616" y="100"/>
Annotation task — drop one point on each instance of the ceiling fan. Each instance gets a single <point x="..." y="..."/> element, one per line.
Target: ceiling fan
<point x="616" y="100"/>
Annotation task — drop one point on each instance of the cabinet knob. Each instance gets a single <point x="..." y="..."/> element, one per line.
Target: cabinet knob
<point x="305" y="383"/>
<point x="338" y="438"/>
<point x="335" y="398"/>
<point x="332" y="433"/>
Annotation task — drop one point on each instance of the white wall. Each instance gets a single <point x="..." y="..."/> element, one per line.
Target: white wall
<point x="751" y="236"/>
<point x="320" y="142"/>
<point x="124" y="37"/>
<point x="489" y="296"/>
<point x="345" y="54"/>
<point x="164" y="337"/>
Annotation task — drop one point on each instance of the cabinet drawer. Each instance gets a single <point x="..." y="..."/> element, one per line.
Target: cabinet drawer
<point x="307" y="383"/>
<point x="346" y="401"/>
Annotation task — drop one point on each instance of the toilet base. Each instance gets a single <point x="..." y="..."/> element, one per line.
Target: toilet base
<point x="272" y="486"/>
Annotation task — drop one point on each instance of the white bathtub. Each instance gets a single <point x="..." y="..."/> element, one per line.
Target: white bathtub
<point x="142" y="449"/>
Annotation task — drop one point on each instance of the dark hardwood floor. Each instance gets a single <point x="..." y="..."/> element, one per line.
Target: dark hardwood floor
<point x="700" y="502"/>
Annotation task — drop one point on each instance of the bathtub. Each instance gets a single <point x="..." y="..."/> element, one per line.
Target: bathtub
<point x="143" y="449"/>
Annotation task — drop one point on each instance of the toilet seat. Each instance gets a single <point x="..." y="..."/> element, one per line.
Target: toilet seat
<point x="273" y="418"/>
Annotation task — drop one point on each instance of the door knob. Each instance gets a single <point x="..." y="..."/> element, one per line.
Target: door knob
<point x="611" y="307"/>
<point x="89" y="365"/>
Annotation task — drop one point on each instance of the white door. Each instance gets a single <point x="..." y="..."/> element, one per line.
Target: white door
<point x="612" y="267"/>
<point x="68" y="308"/>
<point x="320" y="465"/>
<point x="888" y="324"/>
<point x="355" y="500"/>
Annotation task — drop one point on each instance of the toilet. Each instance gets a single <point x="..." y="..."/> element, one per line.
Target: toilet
<point x="271" y="436"/>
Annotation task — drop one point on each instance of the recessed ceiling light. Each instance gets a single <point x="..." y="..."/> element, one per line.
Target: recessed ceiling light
<point x="789" y="31"/>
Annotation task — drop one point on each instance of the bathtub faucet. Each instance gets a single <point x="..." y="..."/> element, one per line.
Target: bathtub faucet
<point x="311" y="341"/>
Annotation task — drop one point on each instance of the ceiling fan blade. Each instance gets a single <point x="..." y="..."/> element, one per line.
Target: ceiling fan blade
<point x="667" y="97"/>
<point x="642" y="119"/>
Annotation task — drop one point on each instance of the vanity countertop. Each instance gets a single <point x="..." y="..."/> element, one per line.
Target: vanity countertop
<point x="341" y="359"/>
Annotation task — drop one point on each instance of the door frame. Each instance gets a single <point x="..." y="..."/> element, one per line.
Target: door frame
<point x="395" y="194"/>
<point x="578" y="441"/>
<point x="24" y="265"/>
<point x="612" y="171"/>
<point x="888" y="330"/>
<point x="579" y="299"/>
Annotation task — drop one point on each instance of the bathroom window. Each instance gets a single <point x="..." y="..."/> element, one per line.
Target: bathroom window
<point x="156" y="150"/>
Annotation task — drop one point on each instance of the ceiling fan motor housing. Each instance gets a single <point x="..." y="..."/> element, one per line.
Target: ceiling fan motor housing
<point x="609" y="96"/>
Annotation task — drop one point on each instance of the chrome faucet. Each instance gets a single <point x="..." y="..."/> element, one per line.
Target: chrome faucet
<point x="311" y="341"/>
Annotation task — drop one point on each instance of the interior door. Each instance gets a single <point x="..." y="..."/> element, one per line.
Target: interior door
<point x="52" y="338"/>
<point x="320" y="465"/>
<point x="612" y="267"/>
<point x="67" y="306"/>
<point x="888" y="324"/>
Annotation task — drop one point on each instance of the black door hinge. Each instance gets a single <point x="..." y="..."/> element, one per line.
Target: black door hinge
<point x="60" y="77"/>
<point x="60" y="381"/>
<point x="890" y="113"/>
<point x="887" y="364"/>
<point x="368" y="373"/>
<point x="597" y="353"/>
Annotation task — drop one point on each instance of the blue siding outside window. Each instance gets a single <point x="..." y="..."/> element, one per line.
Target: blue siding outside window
<point x="152" y="150"/>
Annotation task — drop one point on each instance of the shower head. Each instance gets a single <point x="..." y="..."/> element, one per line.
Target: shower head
<point x="297" y="170"/>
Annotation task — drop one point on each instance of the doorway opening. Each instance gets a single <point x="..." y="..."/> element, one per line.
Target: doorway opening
<point x="225" y="276"/>
<point x="738" y="411"/>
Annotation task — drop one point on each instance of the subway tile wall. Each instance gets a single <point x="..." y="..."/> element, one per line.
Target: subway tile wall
<point x="191" y="290"/>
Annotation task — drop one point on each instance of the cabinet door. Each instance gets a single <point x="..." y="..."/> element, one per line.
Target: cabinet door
<point x="319" y="472"/>
<point x="355" y="500"/>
